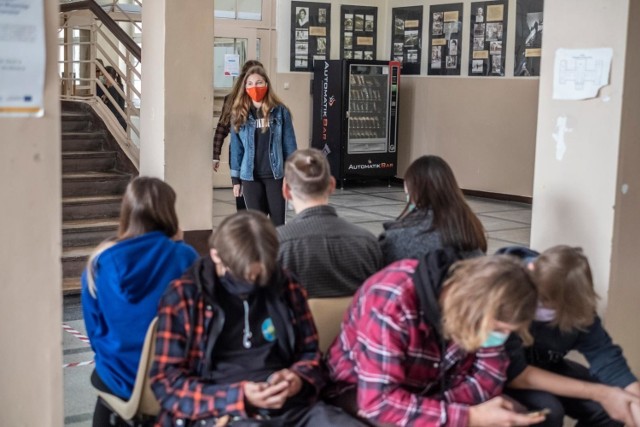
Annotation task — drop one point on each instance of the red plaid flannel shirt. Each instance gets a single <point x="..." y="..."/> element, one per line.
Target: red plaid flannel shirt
<point x="176" y="376"/>
<point x="393" y="358"/>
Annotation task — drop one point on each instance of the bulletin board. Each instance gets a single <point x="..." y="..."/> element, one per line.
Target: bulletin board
<point x="445" y="39"/>
<point x="528" y="46"/>
<point x="406" y="38"/>
<point x="310" y="34"/>
<point x="359" y="32"/>
<point x="488" y="38"/>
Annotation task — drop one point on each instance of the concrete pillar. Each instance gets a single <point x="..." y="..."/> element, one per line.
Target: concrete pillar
<point x="177" y="104"/>
<point x="30" y="249"/>
<point x="590" y="196"/>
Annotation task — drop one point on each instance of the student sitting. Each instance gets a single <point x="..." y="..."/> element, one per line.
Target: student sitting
<point x="123" y="282"/>
<point x="236" y="342"/>
<point x="436" y="215"/>
<point x="409" y="357"/>
<point x="566" y="320"/>
<point x="330" y="256"/>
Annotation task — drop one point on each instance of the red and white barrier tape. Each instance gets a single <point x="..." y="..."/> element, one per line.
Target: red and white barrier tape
<point x="75" y="333"/>
<point x="76" y="364"/>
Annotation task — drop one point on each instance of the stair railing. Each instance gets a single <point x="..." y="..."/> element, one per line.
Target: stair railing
<point x="88" y="32"/>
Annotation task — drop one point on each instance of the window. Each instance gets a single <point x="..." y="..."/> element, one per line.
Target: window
<point x="239" y="9"/>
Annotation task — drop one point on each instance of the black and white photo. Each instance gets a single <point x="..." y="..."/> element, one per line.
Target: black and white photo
<point x="437" y="24"/>
<point x="302" y="35"/>
<point x="302" y="49"/>
<point x="368" y="23"/>
<point x="478" y="43"/>
<point x="494" y="31"/>
<point x="496" y="64"/>
<point x="348" y="22"/>
<point x="302" y="16"/>
<point x="478" y="30"/>
<point x="477" y="66"/>
<point x="348" y="40"/>
<point x="397" y="48"/>
<point x="322" y="16"/>
<point x="412" y="56"/>
<point x="495" y="48"/>
<point x="453" y="47"/>
<point x="358" y="24"/>
<point x="452" y="61"/>
<point x="321" y="45"/>
<point x="411" y="38"/>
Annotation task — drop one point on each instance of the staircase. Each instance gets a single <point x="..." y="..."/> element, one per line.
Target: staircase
<point x="95" y="174"/>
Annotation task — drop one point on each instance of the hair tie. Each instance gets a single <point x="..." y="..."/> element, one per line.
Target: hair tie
<point x="309" y="160"/>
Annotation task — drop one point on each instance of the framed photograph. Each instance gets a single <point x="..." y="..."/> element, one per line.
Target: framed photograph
<point x="397" y="48"/>
<point x="368" y="55"/>
<point x="302" y="35"/>
<point x="479" y="16"/>
<point x="494" y="31"/>
<point x="411" y="38"/>
<point x="478" y="30"/>
<point x="495" y="48"/>
<point x="322" y="16"/>
<point x="302" y="17"/>
<point x="477" y="67"/>
<point x="437" y="24"/>
<point x="302" y="49"/>
<point x="452" y="61"/>
<point x="348" y="22"/>
<point x="348" y="41"/>
<point x="358" y="23"/>
<point x="436" y="53"/>
<point x="412" y="56"/>
<point x="398" y="26"/>
<point x="301" y="62"/>
<point x="347" y="54"/>
<point x="321" y="45"/>
<point x="496" y="64"/>
<point x="453" y="47"/>
<point x="358" y="54"/>
<point x="478" y="43"/>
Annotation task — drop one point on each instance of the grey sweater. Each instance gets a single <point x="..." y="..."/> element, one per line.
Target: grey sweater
<point x="409" y="237"/>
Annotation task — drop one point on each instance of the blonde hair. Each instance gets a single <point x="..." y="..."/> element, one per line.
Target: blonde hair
<point x="307" y="173"/>
<point x="481" y="290"/>
<point x="563" y="277"/>
<point x="245" y="238"/>
<point x="148" y="204"/>
<point x="242" y="103"/>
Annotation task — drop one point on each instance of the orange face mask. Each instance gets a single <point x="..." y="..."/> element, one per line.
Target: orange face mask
<point x="257" y="93"/>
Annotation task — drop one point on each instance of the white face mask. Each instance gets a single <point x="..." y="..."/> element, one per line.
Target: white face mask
<point x="544" y="314"/>
<point x="103" y="79"/>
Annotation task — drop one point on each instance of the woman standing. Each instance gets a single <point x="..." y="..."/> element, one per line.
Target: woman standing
<point x="262" y="138"/>
<point x="224" y="122"/>
<point x="123" y="282"/>
<point x="436" y="215"/>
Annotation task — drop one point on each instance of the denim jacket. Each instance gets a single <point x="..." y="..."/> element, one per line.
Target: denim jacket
<point x="281" y="145"/>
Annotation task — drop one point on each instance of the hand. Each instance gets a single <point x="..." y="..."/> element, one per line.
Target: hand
<point x="634" y="388"/>
<point x="617" y="402"/>
<point x="295" y="383"/>
<point x="216" y="165"/>
<point x="264" y="395"/>
<point x="237" y="190"/>
<point x="500" y="412"/>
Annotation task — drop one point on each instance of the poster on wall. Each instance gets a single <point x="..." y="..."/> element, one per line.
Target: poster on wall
<point x="406" y="38"/>
<point x="22" y="59"/>
<point x="528" y="47"/>
<point x="445" y="38"/>
<point x="310" y="34"/>
<point x="488" y="38"/>
<point x="359" y="32"/>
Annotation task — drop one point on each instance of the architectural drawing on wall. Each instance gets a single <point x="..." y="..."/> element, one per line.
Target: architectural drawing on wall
<point x="580" y="73"/>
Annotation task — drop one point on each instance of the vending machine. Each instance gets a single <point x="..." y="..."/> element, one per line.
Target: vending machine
<point x="355" y="117"/>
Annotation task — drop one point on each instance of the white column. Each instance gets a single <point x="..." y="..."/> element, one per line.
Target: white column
<point x="177" y="103"/>
<point x="586" y="151"/>
<point x="30" y="249"/>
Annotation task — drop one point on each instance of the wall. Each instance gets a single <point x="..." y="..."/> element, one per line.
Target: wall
<point x="30" y="249"/>
<point x="624" y="291"/>
<point x="579" y="197"/>
<point x="484" y="127"/>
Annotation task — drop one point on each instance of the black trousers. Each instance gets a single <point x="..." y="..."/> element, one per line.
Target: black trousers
<point x="586" y="412"/>
<point x="317" y="415"/>
<point x="103" y="416"/>
<point x="265" y="195"/>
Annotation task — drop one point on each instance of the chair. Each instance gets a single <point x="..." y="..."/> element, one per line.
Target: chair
<point x="142" y="401"/>
<point x="327" y="314"/>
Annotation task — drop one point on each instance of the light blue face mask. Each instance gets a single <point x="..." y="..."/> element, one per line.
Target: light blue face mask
<point x="411" y="205"/>
<point x="495" y="339"/>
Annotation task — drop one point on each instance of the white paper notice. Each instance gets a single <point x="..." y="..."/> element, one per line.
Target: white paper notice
<point x="22" y="58"/>
<point x="580" y="73"/>
<point x="231" y="65"/>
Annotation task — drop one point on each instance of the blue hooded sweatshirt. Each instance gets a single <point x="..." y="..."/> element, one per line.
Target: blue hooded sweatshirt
<point x="130" y="278"/>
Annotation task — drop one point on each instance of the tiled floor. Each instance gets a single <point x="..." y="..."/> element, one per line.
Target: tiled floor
<point x="368" y="205"/>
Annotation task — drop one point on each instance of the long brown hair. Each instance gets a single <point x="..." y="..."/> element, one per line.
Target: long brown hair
<point x="225" y="116"/>
<point x="431" y="185"/>
<point x="242" y="102"/>
<point x="148" y="204"/>
<point x="307" y="174"/>
<point x="483" y="289"/>
<point x="565" y="284"/>
<point x="245" y="238"/>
